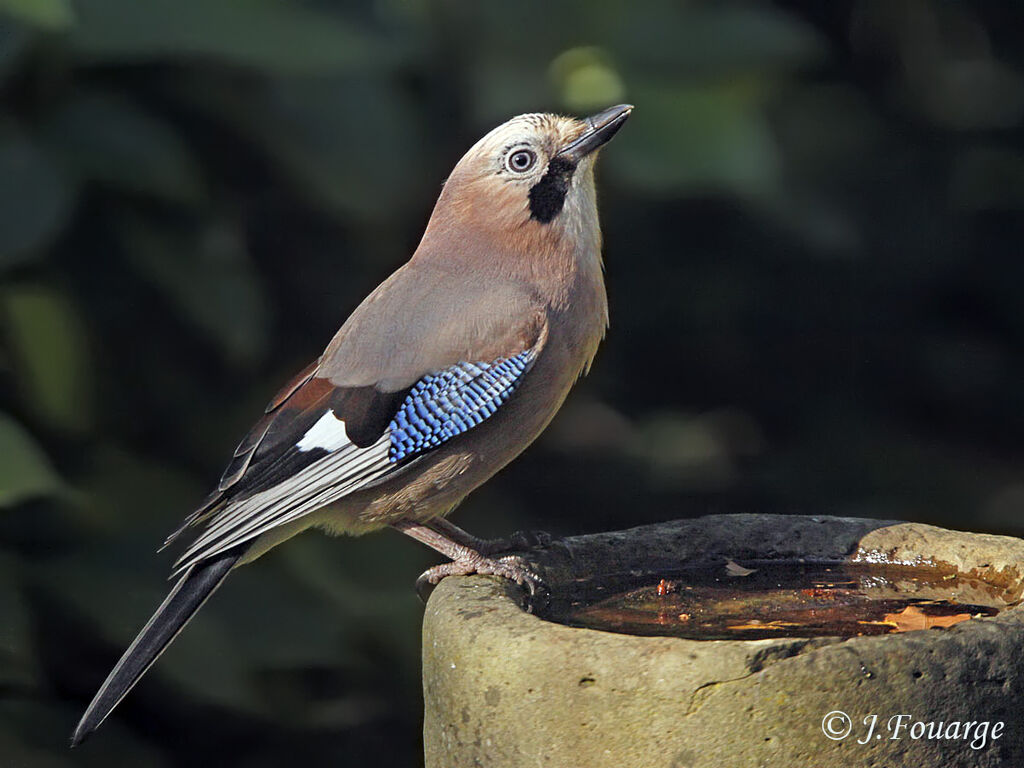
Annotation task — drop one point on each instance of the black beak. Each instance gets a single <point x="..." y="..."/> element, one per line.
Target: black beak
<point x="599" y="131"/>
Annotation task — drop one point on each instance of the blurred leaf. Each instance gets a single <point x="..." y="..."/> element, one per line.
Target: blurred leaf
<point x="274" y="35"/>
<point x="120" y="498"/>
<point x="209" y="276"/>
<point x="13" y="40"/>
<point x="34" y="733"/>
<point x="699" y="138"/>
<point x="206" y="661"/>
<point x="361" y="165"/>
<point x="50" y="354"/>
<point x="16" y="656"/>
<point x="17" y="753"/>
<point x="501" y="86"/>
<point x="348" y="145"/>
<point x="988" y="178"/>
<point x="34" y="199"/>
<point x="301" y="632"/>
<point x="25" y="472"/>
<point x="587" y="79"/>
<point x="49" y="14"/>
<point x="344" y="573"/>
<point x="724" y="39"/>
<point x="109" y="139"/>
<point x="947" y="72"/>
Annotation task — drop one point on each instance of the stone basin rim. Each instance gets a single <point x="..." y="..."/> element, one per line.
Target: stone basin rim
<point x="663" y="548"/>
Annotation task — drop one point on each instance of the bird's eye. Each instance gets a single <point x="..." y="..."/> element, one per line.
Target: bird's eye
<point x="521" y="160"/>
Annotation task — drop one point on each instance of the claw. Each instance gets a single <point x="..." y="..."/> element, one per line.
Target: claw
<point x="510" y="567"/>
<point x="424" y="586"/>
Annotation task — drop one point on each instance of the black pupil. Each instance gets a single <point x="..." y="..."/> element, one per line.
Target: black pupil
<point x="521" y="160"/>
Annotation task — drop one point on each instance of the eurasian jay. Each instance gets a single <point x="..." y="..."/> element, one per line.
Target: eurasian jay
<point x="443" y="375"/>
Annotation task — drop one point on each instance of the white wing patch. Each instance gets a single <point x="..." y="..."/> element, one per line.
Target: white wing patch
<point x="328" y="433"/>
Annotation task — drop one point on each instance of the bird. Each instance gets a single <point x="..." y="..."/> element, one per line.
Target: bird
<point x="445" y="373"/>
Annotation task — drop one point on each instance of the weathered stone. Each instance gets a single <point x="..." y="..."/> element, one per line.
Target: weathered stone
<point x="504" y="688"/>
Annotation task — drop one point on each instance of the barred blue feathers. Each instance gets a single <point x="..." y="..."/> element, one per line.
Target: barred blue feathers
<point x="445" y="404"/>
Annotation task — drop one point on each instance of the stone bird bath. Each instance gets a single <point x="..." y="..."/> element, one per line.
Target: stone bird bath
<point x="504" y="687"/>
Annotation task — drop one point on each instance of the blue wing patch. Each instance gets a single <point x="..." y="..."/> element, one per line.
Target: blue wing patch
<point x="449" y="402"/>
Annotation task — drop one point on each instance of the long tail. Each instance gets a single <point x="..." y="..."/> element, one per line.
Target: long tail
<point x="185" y="599"/>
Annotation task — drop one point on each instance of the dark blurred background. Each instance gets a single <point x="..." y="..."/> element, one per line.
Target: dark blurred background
<point x="813" y="236"/>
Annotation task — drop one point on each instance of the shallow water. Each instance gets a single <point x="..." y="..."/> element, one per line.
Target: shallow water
<point x="755" y="600"/>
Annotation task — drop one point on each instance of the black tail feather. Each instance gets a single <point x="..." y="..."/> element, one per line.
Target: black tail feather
<point x="185" y="599"/>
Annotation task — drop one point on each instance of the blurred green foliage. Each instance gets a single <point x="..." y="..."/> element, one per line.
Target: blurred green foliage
<point x="813" y="230"/>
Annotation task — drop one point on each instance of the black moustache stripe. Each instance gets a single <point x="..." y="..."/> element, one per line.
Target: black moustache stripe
<point x="547" y="196"/>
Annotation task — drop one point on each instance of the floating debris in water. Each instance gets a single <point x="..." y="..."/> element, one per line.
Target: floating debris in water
<point x="779" y="599"/>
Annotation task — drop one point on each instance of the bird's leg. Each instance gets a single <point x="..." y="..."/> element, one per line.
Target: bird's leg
<point x="465" y="559"/>
<point x="519" y="540"/>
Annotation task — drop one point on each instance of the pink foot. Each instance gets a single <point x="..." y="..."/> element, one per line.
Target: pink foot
<point x="508" y="567"/>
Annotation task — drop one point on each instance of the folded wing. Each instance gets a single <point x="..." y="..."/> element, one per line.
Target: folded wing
<point x="322" y="442"/>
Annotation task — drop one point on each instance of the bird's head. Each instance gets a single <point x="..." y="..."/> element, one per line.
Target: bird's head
<point x="531" y="176"/>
